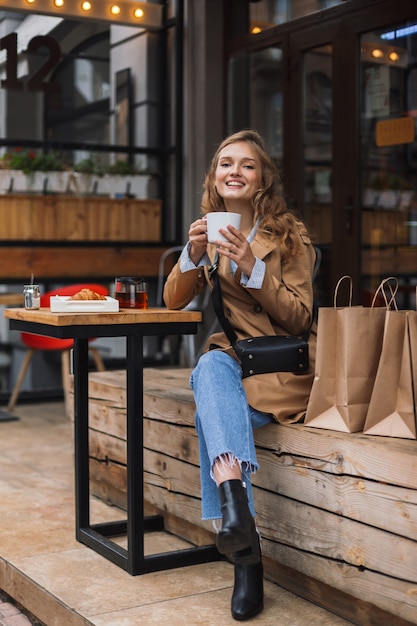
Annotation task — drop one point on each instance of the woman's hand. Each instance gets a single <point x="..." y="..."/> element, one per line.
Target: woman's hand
<point x="236" y="248"/>
<point x="197" y="236"/>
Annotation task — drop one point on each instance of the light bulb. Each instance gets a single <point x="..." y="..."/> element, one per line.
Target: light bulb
<point x="59" y="3"/>
<point x="86" y="6"/>
<point x="138" y="13"/>
<point x="394" y="56"/>
<point x="377" y="53"/>
<point x="115" y="9"/>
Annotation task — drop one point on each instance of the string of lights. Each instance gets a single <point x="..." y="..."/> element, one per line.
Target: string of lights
<point x="117" y="11"/>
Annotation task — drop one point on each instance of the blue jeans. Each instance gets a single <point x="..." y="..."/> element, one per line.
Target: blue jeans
<point x="224" y="423"/>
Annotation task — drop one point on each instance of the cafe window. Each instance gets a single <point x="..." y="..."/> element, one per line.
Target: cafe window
<point x="80" y="111"/>
<point x="93" y="93"/>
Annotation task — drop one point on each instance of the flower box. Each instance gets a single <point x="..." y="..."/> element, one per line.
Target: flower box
<point x="71" y="182"/>
<point x="111" y="185"/>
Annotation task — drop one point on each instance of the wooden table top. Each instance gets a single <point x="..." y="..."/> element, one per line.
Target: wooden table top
<point x="123" y="316"/>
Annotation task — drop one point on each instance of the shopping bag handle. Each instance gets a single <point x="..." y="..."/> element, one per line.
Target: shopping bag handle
<point x="336" y="290"/>
<point x="386" y="282"/>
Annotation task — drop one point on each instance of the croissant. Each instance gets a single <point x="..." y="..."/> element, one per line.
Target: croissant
<point x="87" y="294"/>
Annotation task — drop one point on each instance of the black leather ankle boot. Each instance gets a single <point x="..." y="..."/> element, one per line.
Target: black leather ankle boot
<point x="248" y="591"/>
<point x="238" y="536"/>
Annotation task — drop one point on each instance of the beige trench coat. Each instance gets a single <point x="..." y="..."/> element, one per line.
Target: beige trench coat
<point x="283" y="306"/>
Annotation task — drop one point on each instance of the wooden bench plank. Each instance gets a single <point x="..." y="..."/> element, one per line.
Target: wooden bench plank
<point x="379" y="504"/>
<point x="384" y="459"/>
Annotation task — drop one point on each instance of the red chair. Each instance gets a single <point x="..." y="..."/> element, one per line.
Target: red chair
<point x="37" y="342"/>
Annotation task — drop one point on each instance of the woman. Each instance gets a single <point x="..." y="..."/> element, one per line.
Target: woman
<point x="265" y="272"/>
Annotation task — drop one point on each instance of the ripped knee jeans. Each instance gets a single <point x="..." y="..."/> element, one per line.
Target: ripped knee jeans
<point x="225" y="424"/>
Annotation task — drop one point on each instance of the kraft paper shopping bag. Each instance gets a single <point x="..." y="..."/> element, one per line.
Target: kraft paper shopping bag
<point x="349" y="342"/>
<point x="412" y="333"/>
<point x="392" y="410"/>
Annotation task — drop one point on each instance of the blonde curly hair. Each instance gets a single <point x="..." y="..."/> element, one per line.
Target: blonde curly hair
<point x="276" y="219"/>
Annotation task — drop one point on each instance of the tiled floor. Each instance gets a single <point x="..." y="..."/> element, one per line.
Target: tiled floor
<point x="10" y="615"/>
<point x="64" y="583"/>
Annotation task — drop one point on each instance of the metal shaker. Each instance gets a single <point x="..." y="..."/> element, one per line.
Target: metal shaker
<point x="32" y="296"/>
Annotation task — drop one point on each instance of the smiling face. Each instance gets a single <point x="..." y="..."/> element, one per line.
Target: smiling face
<point x="238" y="173"/>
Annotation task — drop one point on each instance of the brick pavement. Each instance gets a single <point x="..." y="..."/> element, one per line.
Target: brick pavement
<point x="11" y="615"/>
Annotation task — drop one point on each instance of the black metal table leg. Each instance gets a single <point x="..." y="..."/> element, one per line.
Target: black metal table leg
<point x="81" y="452"/>
<point x="134" y="417"/>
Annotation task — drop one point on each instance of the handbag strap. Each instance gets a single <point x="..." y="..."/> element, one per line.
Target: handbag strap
<point x="218" y="307"/>
<point x="217" y="300"/>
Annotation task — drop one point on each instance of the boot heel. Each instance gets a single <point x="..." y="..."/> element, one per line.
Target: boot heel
<point x="248" y="591"/>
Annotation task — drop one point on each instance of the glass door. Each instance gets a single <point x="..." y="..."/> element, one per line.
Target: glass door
<point x="350" y="149"/>
<point x="317" y="151"/>
<point x="389" y="158"/>
<point x="335" y="94"/>
<point x="311" y="162"/>
<point x="255" y="96"/>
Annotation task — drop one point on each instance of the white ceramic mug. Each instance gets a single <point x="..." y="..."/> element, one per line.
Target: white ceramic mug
<point x="220" y="219"/>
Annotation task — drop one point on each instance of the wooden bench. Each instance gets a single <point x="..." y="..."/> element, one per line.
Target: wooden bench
<point x="337" y="512"/>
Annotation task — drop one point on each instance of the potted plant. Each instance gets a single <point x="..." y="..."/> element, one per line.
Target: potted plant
<point x="84" y="177"/>
<point x="124" y="179"/>
<point x="29" y="171"/>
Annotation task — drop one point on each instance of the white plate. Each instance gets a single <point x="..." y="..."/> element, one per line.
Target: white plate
<point x="64" y="304"/>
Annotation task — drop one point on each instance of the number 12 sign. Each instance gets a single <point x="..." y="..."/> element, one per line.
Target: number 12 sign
<point x="38" y="81"/>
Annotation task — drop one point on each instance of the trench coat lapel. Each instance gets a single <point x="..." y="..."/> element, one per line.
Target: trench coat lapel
<point x="262" y="246"/>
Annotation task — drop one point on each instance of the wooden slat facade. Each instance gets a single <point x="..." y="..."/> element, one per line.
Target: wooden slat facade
<point x="79" y="218"/>
<point x="67" y="238"/>
<point x="55" y="263"/>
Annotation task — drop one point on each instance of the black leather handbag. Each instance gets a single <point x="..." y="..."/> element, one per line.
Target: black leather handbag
<point x="266" y="354"/>
<point x="277" y="353"/>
